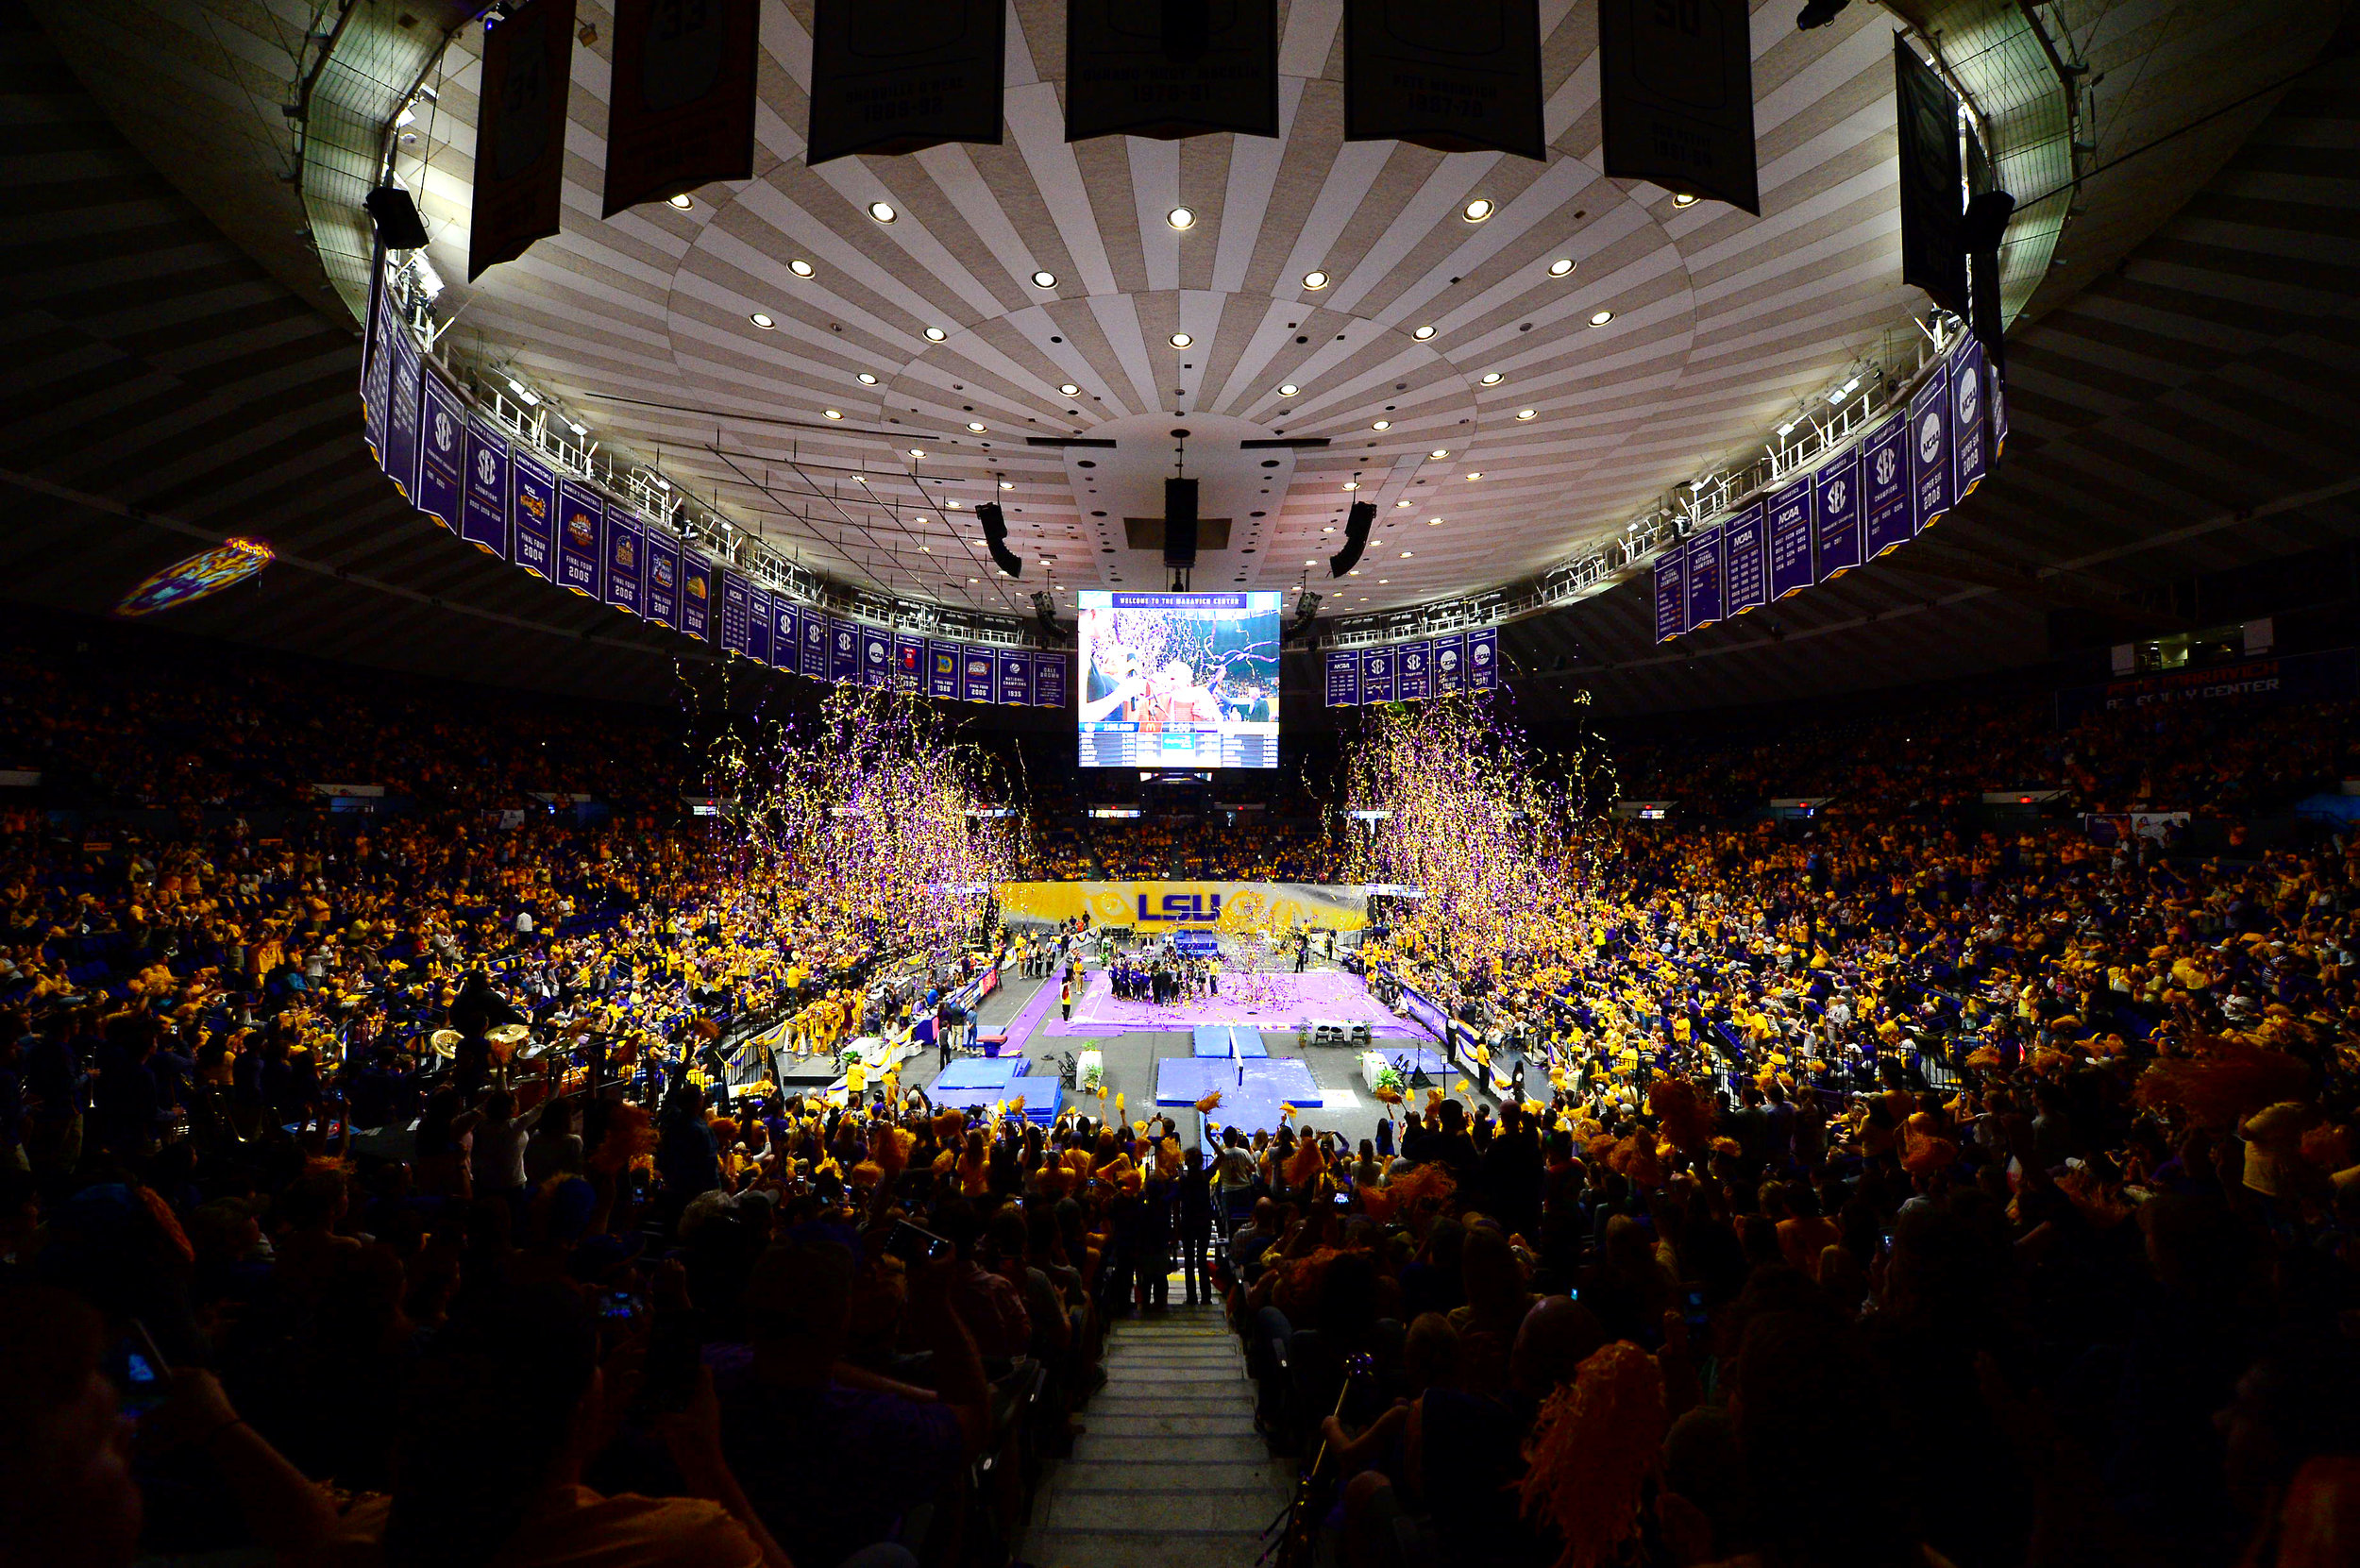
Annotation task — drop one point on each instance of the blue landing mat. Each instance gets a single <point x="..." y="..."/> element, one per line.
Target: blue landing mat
<point x="970" y="1074"/>
<point x="1184" y="1080"/>
<point x="1221" y="1040"/>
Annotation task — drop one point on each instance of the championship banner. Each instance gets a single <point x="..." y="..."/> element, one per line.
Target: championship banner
<point x="1968" y="457"/>
<point x="442" y="430"/>
<point x="1744" y="582"/>
<point x="1376" y="675"/>
<point x="581" y="528"/>
<point x="1455" y="76"/>
<point x="531" y="513"/>
<point x="1235" y="907"/>
<point x="1016" y="679"/>
<point x="696" y="594"/>
<point x="1671" y="594"/>
<point x="876" y="656"/>
<point x="1930" y="446"/>
<point x="1344" y="678"/>
<point x="897" y="79"/>
<point x="1048" y="680"/>
<point x="1885" y="485"/>
<point x="377" y="373"/>
<point x="520" y="133"/>
<point x="627" y="563"/>
<point x="1170" y="71"/>
<point x="843" y="652"/>
<point x="1483" y="659"/>
<point x="757" y="624"/>
<point x="483" y="511"/>
<point x="942" y="672"/>
<point x="401" y="416"/>
<point x="1450" y="665"/>
<point x="730" y="633"/>
<point x="1841" y="501"/>
<point x="1786" y="542"/>
<point x="786" y="634"/>
<point x="1997" y="380"/>
<point x="1412" y="676"/>
<point x="909" y="663"/>
<point x="1926" y="116"/>
<point x="1704" y="578"/>
<point x="1676" y="91"/>
<point x="663" y="591"/>
<point x="975" y="678"/>
<point x="680" y="111"/>
<point x="813" y="626"/>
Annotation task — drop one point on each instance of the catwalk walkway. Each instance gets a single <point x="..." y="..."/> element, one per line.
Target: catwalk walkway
<point x="1170" y="1474"/>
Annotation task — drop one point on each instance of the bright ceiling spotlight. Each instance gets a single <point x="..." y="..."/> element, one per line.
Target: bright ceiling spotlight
<point x="1315" y="279"/>
<point x="865" y="379"/>
<point x="1044" y="278"/>
<point x="1560" y="268"/>
<point x="683" y="201"/>
<point x="1599" y="318"/>
<point x="1180" y="217"/>
<point x="833" y="414"/>
<point x="1382" y="425"/>
<point x="936" y="334"/>
<point x="1476" y="475"/>
<point x="761" y="320"/>
<point x="918" y="452"/>
<point x="1180" y="340"/>
<point x="1527" y="413"/>
<point x="800" y="267"/>
<point x="1439" y="453"/>
<point x="1492" y="378"/>
<point x="1070" y="390"/>
<point x="1289" y="390"/>
<point x="975" y="425"/>
<point x="1683" y="200"/>
<point x="1478" y="210"/>
<point x="1007" y="484"/>
<point x="1423" y="333"/>
<point x="882" y="211"/>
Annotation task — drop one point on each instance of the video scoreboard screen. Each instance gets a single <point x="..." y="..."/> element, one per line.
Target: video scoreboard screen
<point x="1178" y="680"/>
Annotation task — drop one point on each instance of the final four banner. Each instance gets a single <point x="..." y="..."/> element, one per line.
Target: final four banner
<point x="1413" y="672"/>
<point x="1843" y="505"/>
<point x="1671" y="594"/>
<point x="662" y="595"/>
<point x="876" y="655"/>
<point x="626" y="576"/>
<point x="1886" y="489"/>
<point x="442" y="437"/>
<point x="1744" y="584"/>
<point x="1483" y="659"/>
<point x="909" y="663"/>
<point x="1929" y="447"/>
<point x="942" y="672"/>
<point x="401" y="419"/>
<point x="1450" y="665"/>
<point x="1048" y="680"/>
<point x="1787" y="539"/>
<point x="977" y="675"/>
<point x="582" y="540"/>
<point x="696" y="594"/>
<point x="1376" y="675"/>
<point x="532" y="514"/>
<point x="1344" y="678"/>
<point x="1016" y="678"/>
<point x="1704" y="578"/>
<point x="483" y="510"/>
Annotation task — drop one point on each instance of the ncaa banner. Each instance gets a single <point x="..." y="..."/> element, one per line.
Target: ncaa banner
<point x="1237" y="907"/>
<point x="1786" y="539"/>
<point x="909" y="663"/>
<point x="1450" y="665"/>
<point x="531" y="513"/>
<point x="1671" y="594"/>
<point x="1842" y="504"/>
<point x="786" y="636"/>
<point x="1412" y="672"/>
<point x="1997" y="377"/>
<point x="1016" y="679"/>
<point x="696" y="594"/>
<point x="377" y="374"/>
<point x="843" y="652"/>
<point x="1483" y="659"/>
<point x="1744" y="582"/>
<point x="580" y="524"/>
<point x="483" y="511"/>
<point x="661" y="596"/>
<point x="1967" y="428"/>
<point x="758" y="623"/>
<point x="1344" y="678"/>
<point x="975" y="677"/>
<point x="1376" y="675"/>
<point x="876" y="656"/>
<point x="401" y="416"/>
<point x="942" y="672"/>
<point x="1048" y="680"/>
<point x="1704" y="578"/>
<point x="627" y="567"/>
<point x="729" y="634"/>
<point x="1930" y="446"/>
<point x="1886" y="475"/>
<point x="441" y="435"/>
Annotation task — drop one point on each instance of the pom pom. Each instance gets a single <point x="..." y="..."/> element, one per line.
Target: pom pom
<point x="1211" y="1102"/>
<point x="2225" y="1082"/>
<point x="1594" y="1444"/>
<point x="1429" y="1183"/>
<point x="1682" y="1111"/>
<point x="1304" y="1164"/>
<point x="629" y="1137"/>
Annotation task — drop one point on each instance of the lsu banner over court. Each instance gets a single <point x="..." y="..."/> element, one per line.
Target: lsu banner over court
<point x="1154" y="906"/>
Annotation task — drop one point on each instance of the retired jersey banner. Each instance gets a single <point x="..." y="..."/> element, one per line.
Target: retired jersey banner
<point x="661" y="596"/>
<point x="1930" y="446"/>
<point x="1016" y="678"/>
<point x="1842" y="503"/>
<point x="623" y="581"/>
<point x="976" y="675"/>
<point x="1229" y="906"/>
<point x="1704" y="578"/>
<point x="1926" y="122"/>
<point x="520" y="133"/>
<point x="581" y="541"/>
<point x="909" y="662"/>
<point x="1671" y="594"/>
<point x="1450" y="665"/>
<point x="679" y="107"/>
<point x="531" y="513"/>
<point x="1413" y="674"/>
<point x="942" y="672"/>
<point x="442" y="437"/>
<point x="898" y="78"/>
<point x="1969" y="457"/>
<point x="1344" y="678"/>
<point x="1886" y="489"/>
<point x="484" y="512"/>
<point x="1483" y="659"/>
<point x="401" y="415"/>
<point x="377" y="374"/>
<point x="1048" y="680"/>
<point x="1170" y="71"/>
<point x="1744" y="582"/>
<point x="731" y="624"/>
<point x="1676" y="96"/>
<point x="1376" y="675"/>
<point x="876" y="656"/>
<point x="757" y="624"/>
<point x="1457" y="75"/>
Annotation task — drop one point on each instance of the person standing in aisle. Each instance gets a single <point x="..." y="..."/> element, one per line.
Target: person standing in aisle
<point x="1065" y="996"/>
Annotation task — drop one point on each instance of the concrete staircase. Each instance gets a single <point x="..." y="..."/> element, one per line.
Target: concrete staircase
<point x="1170" y="1474"/>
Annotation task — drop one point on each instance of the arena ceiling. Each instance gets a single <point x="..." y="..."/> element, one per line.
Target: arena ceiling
<point x="170" y="383"/>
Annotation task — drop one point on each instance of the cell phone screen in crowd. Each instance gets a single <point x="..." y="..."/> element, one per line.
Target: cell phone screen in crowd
<point x="140" y="1375"/>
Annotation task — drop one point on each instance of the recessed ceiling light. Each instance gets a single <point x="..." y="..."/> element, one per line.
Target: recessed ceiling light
<point x="1315" y="279"/>
<point x="1476" y="475"/>
<point x="1180" y="340"/>
<point x="1289" y="390"/>
<point x="1311" y="563"/>
<point x="1560" y="268"/>
<point x="860" y="479"/>
<point x="683" y="202"/>
<point x="1406" y="554"/>
<point x="1683" y="200"/>
<point x="1180" y="217"/>
<point x="1599" y="318"/>
<point x="1401" y="503"/>
<point x="1527" y="413"/>
<point x="1071" y="390"/>
<point x="761" y="320"/>
<point x="882" y="211"/>
<point x="936" y="334"/>
<point x="833" y="414"/>
<point x="800" y="267"/>
<point x="1434" y="522"/>
<point x="971" y="579"/>
<point x="1329" y="529"/>
<point x="1491" y="378"/>
<point x="952" y="506"/>
<point x="918" y="452"/>
<point x="1044" y="278"/>
<point x="1439" y="453"/>
<point x="865" y="379"/>
<point x="1007" y="484"/>
<point x="1478" y="210"/>
<point x="1382" y="425"/>
<point x="925" y="549"/>
<point x="1352" y="484"/>
<point x="1423" y="333"/>
<point x="975" y="425"/>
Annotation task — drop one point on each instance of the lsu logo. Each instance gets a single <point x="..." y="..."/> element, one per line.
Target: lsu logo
<point x="696" y="586"/>
<point x="527" y="501"/>
<point x="1836" y="496"/>
<point x="1182" y="906"/>
<point x="487" y="469"/>
<point x="1886" y="464"/>
<point x="1930" y="437"/>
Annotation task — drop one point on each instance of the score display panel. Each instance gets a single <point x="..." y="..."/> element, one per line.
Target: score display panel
<point x="1178" y="680"/>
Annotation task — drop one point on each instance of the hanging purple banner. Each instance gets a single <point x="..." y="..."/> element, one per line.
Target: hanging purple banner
<point x="1997" y="377"/>
<point x="1376" y="675"/>
<point x="377" y="373"/>
<point x="696" y="594"/>
<point x="758" y="623"/>
<point x="1745" y="580"/>
<point x="1968" y="454"/>
<point x="1048" y="680"/>
<point x="909" y="662"/>
<point x="401" y="417"/>
<point x="661" y="598"/>
<point x="1841" y="501"/>
<point x="1930" y="446"/>
<point x="581" y="523"/>
<point x="1886" y="490"/>
<point x="531" y="513"/>
<point x="975" y="674"/>
<point x="622" y="583"/>
<point x="1344" y="678"/>
<point x="942" y="672"/>
<point x="1413" y="671"/>
<point x="786" y="634"/>
<point x="442" y="432"/>
<point x="1016" y="678"/>
<point x="1704" y="578"/>
<point x="1483" y="659"/>
<point x="1450" y="665"/>
<point x="1671" y="593"/>
<point x="843" y="652"/>
<point x="483" y="511"/>
<point x="729" y="625"/>
<point x="876" y="656"/>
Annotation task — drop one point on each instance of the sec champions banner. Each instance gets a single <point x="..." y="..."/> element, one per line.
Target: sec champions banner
<point x="1230" y="906"/>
